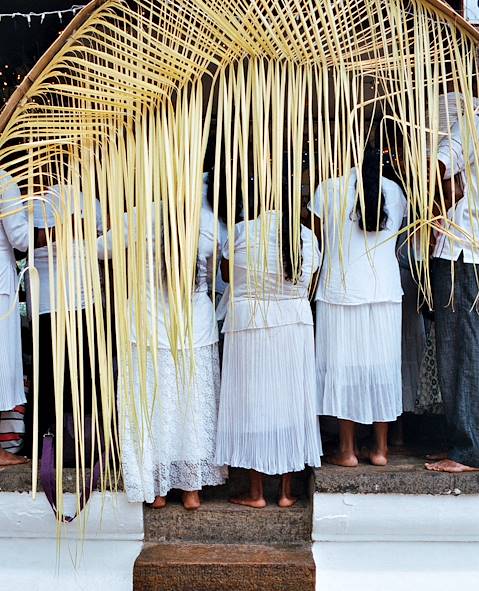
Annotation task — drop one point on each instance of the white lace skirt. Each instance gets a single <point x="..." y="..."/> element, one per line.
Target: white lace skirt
<point x="358" y="361"/>
<point x="12" y="391"/>
<point x="170" y="442"/>
<point x="267" y="416"/>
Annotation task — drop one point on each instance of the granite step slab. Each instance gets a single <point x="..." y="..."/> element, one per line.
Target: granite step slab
<point x="224" y="567"/>
<point x="218" y="521"/>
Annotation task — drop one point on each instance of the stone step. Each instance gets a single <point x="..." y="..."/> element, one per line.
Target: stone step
<point x="206" y="567"/>
<point x="218" y="521"/>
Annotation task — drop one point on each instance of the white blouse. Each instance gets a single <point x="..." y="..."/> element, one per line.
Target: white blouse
<point x="13" y="232"/>
<point x="358" y="267"/>
<point x="458" y="153"/>
<point x="58" y="201"/>
<point x="261" y="296"/>
<point x="205" y="331"/>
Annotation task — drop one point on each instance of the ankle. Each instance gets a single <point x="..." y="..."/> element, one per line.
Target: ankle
<point x="347" y="451"/>
<point x="191" y="499"/>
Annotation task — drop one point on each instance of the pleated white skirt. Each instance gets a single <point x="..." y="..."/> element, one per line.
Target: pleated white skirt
<point x="358" y="361"/>
<point x="168" y="439"/>
<point x="267" y="416"/>
<point x="12" y="390"/>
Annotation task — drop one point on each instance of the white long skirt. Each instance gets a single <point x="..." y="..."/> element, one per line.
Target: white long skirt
<point x="267" y="416"/>
<point x="358" y="361"/>
<point x="12" y="390"/>
<point x="170" y="442"/>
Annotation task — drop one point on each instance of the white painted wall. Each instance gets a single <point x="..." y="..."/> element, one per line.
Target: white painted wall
<point x="378" y="517"/>
<point x="396" y="542"/>
<point x="396" y="566"/>
<point x="97" y="550"/>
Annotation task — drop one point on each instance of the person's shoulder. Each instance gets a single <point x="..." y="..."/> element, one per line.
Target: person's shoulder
<point x="394" y="196"/>
<point x="331" y="184"/>
<point x="207" y="224"/>
<point x="392" y="189"/>
<point x="337" y="184"/>
<point x="207" y="218"/>
<point x="240" y="228"/>
<point x="7" y="182"/>
<point x="5" y="177"/>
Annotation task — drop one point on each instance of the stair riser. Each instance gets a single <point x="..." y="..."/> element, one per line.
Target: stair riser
<point x="224" y="578"/>
<point x="275" y="526"/>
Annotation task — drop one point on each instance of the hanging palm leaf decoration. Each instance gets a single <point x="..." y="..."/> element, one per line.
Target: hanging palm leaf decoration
<point x="122" y="108"/>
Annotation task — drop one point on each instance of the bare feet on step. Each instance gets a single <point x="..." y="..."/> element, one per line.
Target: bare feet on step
<point x="255" y="498"/>
<point x="286" y="497"/>
<point x="191" y="500"/>
<point x="378" y="457"/>
<point x="159" y="503"/>
<point x="285" y="501"/>
<point x="342" y="458"/>
<point x="256" y="503"/>
<point x="8" y="459"/>
<point x="449" y="466"/>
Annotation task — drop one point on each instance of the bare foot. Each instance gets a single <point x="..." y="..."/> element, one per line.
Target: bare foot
<point x="449" y="466"/>
<point x="191" y="500"/>
<point x="159" y="503"/>
<point x="378" y="458"/>
<point x="345" y="459"/>
<point x="8" y="459"/>
<point x="256" y="503"/>
<point x="286" y="501"/>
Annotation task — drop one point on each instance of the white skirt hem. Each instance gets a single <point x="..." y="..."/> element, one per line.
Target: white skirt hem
<point x="358" y="361"/>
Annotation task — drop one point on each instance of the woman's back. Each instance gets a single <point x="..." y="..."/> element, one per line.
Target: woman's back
<point x="358" y="266"/>
<point x="258" y="270"/>
<point x="203" y="322"/>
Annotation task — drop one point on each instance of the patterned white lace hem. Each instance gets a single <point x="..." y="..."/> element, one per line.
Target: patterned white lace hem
<point x="172" y="442"/>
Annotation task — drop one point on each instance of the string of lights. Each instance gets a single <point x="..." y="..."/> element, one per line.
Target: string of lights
<point x="46" y="26"/>
<point x="41" y="15"/>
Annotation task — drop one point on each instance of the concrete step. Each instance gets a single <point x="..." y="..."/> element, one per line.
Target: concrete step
<point x="218" y="521"/>
<point x="216" y="567"/>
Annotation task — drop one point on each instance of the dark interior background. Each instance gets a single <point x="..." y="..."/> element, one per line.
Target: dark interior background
<point x="22" y="43"/>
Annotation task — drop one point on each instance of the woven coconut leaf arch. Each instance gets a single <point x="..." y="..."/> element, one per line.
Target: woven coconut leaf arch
<point x="134" y="96"/>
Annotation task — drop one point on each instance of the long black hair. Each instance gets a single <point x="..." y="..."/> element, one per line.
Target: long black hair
<point x="373" y="216"/>
<point x="290" y="274"/>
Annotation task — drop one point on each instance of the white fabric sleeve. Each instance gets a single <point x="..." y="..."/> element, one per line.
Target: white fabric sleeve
<point x="316" y="206"/>
<point x="15" y="224"/>
<point x="451" y="152"/>
<point x="239" y="233"/>
<point x="316" y="253"/>
<point x="207" y="244"/>
<point x="402" y="201"/>
<point x="226" y="250"/>
<point x="104" y="244"/>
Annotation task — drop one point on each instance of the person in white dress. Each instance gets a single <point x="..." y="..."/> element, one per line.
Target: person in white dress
<point x="57" y="202"/>
<point x="267" y="419"/>
<point x="13" y="234"/>
<point x="358" y="306"/>
<point x="171" y="444"/>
